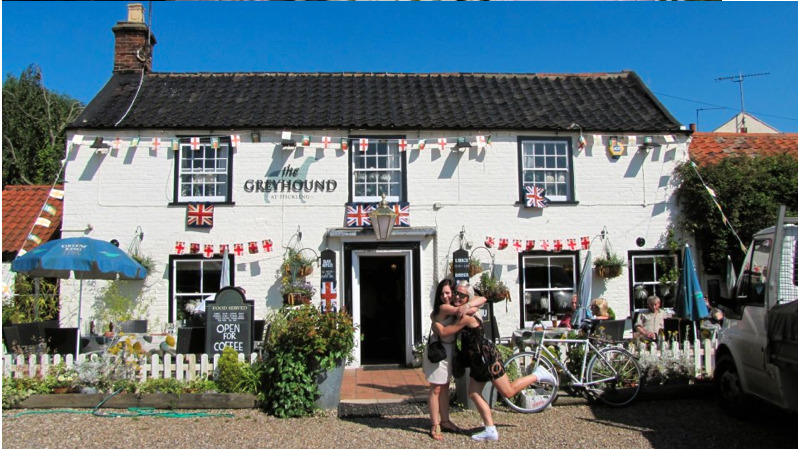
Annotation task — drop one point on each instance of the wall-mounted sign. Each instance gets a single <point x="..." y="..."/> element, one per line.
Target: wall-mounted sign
<point x="290" y="183"/>
<point x="229" y="322"/>
<point x="460" y="265"/>
<point x="329" y="288"/>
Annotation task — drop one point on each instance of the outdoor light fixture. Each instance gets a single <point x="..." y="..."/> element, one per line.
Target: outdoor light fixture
<point x="462" y="144"/>
<point x="382" y="219"/>
<point x="255" y="137"/>
<point x="287" y="142"/>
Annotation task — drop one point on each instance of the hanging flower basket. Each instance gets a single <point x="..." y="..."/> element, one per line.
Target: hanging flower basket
<point x="609" y="271"/>
<point x="295" y="299"/>
<point x="494" y="290"/>
<point x="609" y="265"/>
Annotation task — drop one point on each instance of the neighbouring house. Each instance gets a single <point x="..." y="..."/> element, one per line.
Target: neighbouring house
<point x="745" y="123"/>
<point x="712" y="147"/>
<point x="31" y="215"/>
<point x="526" y="172"/>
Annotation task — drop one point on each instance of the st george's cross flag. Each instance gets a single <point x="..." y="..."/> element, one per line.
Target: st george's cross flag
<point x="503" y="243"/>
<point x="267" y="245"/>
<point x="489" y="242"/>
<point x="530" y="245"/>
<point x="238" y="248"/>
<point x="180" y="247"/>
<point x="585" y="242"/>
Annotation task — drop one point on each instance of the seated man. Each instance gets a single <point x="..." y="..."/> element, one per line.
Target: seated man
<point x="649" y="324"/>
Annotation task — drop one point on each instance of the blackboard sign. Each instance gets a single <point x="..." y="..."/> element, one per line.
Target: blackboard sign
<point x="329" y="289"/>
<point x="460" y="264"/>
<point x="228" y="322"/>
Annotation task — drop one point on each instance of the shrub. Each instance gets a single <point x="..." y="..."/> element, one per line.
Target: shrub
<point x="229" y="371"/>
<point x="103" y="373"/>
<point x="173" y="386"/>
<point x="17" y="389"/>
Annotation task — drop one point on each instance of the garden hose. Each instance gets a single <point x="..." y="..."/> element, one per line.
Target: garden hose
<point x="135" y="412"/>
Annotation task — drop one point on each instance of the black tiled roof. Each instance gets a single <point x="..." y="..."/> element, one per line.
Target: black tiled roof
<point x="479" y="101"/>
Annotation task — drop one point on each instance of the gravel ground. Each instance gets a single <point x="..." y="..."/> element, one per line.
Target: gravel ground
<point x="650" y="424"/>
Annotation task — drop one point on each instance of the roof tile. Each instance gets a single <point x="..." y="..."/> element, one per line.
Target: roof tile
<point x="711" y="147"/>
<point x="22" y="205"/>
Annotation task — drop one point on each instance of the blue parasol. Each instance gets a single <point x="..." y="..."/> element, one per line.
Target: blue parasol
<point x="85" y="257"/>
<point x="690" y="304"/>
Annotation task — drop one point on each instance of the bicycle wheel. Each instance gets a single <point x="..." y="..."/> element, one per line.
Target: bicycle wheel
<point x="535" y="397"/>
<point x="617" y="375"/>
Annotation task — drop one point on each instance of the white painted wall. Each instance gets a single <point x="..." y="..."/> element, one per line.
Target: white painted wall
<point x="125" y="189"/>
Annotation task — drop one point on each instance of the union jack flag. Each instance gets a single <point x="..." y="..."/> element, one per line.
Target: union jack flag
<point x="358" y="215"/>
<point x="194" y="248"/>
<point x="329" y="294"/>
<point x="585" y="242"/>
<point x="535" y="197"/>
<point x="402" y="213"/>
<point x="199" y="215"/>
<point x="253" y="247"/>
<point x="530" y="245"/>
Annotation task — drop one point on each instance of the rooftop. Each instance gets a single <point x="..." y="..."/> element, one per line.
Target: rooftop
<point x="712" y="147"/>
<point x="22" y="205"/>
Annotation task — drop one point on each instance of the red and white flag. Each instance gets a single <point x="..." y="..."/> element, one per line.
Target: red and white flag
<point x="402" y="145"/>
<point x="364" y="145"/>
<point x="503" y="243"/>
<point x="267" y="246"/>
<point x="328" y="294"/>
<point x="208" y="251"/>
<point x="180" y="247"/>
<point x="572" y="244"/>
<point x="585" y="242"/>
<point x="489" y="242"/>
<point x="156" y="143"/>
<point x="117" y="143"/>
<point x="325" y="141"/>
<point x="442" y="143"/>
<point x="253" y="247"/>
<point x="530" y="245"/>
<point x="194" y="248"/>
<point x="481" y="142"/>
<point x="195" y="143"/>
<point x="517" y="245"/>
<point x="238" y="248"/>
<point x="421" y="144"/>
<point x="557" y="245"/>
<point x="344" y="144"/>
<point x="544" y="245"/>
<point x="235" y="140"/>
<point x="223" y="248"/>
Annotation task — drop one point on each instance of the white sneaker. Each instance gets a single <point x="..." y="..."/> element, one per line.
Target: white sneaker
<point x="486" y="435"/>
<point x="544" y="376"/>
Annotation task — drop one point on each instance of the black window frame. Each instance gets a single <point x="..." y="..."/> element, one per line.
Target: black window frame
<point x="354" y="148"/>
<point x="173" y="313"/>
<point x="524" y="288"/>
<point x="571" y="196"/>
<point x="184" y="142"/>
<point x="651" y="286"/>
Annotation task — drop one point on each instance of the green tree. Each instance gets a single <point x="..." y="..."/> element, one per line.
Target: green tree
<point x="34" y="121"/>
<point x="749" y="189"/>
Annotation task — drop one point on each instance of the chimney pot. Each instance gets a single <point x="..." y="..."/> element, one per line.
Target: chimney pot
<point x="135" y="13"/>
<point x="692" y="127"/>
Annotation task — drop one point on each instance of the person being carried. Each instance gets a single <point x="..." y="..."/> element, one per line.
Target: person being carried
<point x="439" y="375"/>
<point x="481" y="356"/>
<point x="649" y="323"/>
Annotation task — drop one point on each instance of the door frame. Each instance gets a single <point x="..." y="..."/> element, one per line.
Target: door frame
<point x="410" y="252"/>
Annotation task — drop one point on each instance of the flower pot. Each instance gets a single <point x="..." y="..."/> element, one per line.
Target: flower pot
<point x="329" y="384"/>
<point x="609" y="271"/>
<point x="61" y="390"/>
<point x="305" y="271"/>
<point x="295" y="299"/>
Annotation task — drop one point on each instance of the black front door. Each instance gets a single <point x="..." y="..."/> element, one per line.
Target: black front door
<point x="382" y="309"/>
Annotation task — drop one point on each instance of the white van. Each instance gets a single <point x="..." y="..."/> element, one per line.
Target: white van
<point x="757" y="353"/>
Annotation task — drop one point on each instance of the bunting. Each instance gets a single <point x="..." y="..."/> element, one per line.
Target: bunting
<point x="41" y="221"/>
<point x="253" y="247"/>
<point x="556" y="245"/>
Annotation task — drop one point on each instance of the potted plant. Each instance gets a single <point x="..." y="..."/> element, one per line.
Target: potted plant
<point x="667" y="282"/>
<point x="296" y="265"/>
<point x="609" y="265"/>
<point x="491" y="288"/>
<point x="296" y="292"/>
<point x="307" y="351"/>
<point x="61" y="379"/>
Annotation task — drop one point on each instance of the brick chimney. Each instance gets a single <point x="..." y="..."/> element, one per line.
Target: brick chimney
<point x="134" y="42"/>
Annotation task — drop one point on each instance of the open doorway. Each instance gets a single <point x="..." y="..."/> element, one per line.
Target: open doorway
<point x="382" y="309"/>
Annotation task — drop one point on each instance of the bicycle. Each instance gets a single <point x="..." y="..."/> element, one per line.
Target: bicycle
<point x="611" y="375"/>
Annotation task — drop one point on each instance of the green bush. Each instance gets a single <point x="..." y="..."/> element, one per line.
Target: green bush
<point x="289" y="390"/>
<point x="229" y="372"/>
<point x="173" y="386"/>
<point x="17" y="389"/>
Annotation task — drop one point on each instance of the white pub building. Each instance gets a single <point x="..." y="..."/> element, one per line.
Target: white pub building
<point x="525" y="172"/>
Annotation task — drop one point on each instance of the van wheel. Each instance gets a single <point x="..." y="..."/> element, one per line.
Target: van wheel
<point x="728" y="389"/>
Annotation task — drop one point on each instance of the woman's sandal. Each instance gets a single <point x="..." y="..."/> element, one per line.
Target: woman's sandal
<point x="448" y="426"/>
<point x="435" y="433"/>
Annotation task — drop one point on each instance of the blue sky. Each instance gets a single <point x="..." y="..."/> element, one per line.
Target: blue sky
<point x="678" y="49"/>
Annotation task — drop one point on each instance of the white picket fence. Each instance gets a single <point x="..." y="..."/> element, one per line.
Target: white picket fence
<point x="181" y="366"/>
<point x="702" y="354"/>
